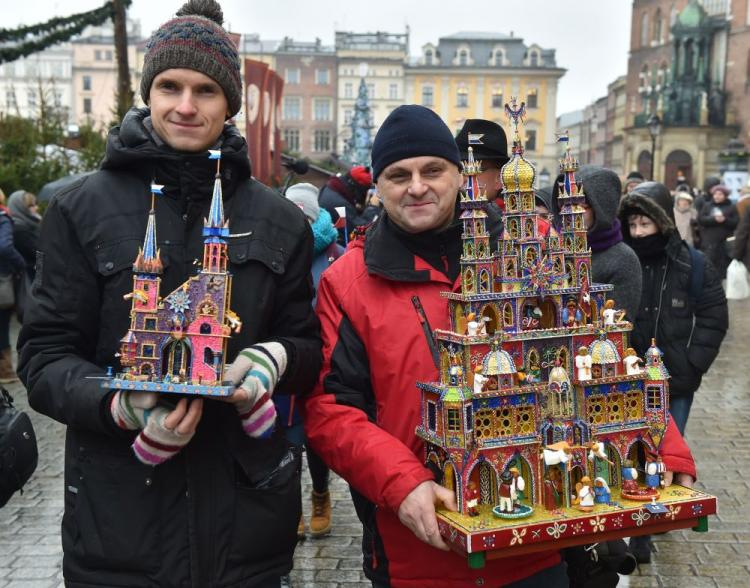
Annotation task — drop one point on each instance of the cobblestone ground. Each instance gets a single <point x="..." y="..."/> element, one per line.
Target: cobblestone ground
<point x="30" y="551"/>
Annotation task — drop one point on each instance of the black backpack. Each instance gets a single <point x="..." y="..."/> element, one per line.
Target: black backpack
<point x="18" y="450"/>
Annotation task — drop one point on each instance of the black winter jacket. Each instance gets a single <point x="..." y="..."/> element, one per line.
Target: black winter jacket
<point x="224" y="511"/>
<point x="689" y="331"/>
<point x="11" y="261"/>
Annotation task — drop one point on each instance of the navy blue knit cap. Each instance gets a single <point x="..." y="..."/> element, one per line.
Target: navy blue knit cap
<point x="412" y="131"/>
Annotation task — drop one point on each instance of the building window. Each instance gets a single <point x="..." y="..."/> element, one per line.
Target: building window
<point x="463" y="57"/>
<point x="348" y="90"/>
<point x="657" y="27"/>
<point x="531" y="140"/>
<point x="428" y="96"/>
<point x="531" y="99"/>
<point x="393" y="91"/>
<point x="534" y="59"/>
<point x="596" y="411"/>
<point x="321" y="109"/>
<point x="322" y="141"/>
<point x="57" y="98"/>
<point x="431" y="416"/>
<point x="10" y="99"/>
<point x="292" y="108"/>
<point x="454" y="421"/>
<point x="291" y="75"/>
<point x="644" y="29"/>
<point x="147" y="350"/>
<point x="87" y="106"/>
<point x="429" y="57"/>
<point x="87" y="82"/>
<point x="371" y="91"/>
<point x="98" y="55"/>
<point x="497" y="98"/>
<point x="653" y="397"/>
<point x="31" y="98"/>
<point x="462" y="97"/>
<point x="205" y="328"/>
<point x="322" y="77"/>
<point x="291" y="139"/>
<point x="150" y="324"/>
<point x="347" y="116"/>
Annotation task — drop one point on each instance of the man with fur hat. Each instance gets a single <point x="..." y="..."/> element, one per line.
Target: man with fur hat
<point x="160" y="491"/>
<point x="490" y="145"/>
<point x="362" y="415"/>
<point x="350" y="191"/>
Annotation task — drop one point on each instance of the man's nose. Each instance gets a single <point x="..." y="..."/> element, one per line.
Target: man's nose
<point x="186" y="107"/>
<point x="417" y="187"/>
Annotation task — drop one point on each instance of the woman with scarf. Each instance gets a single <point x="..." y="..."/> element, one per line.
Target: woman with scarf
<point x="325" y="251"/>
<point x="11" y="263"/>
<point x="26" y="225"/>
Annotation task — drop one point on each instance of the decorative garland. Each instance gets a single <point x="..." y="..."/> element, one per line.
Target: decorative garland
<point x="52" y="32"/>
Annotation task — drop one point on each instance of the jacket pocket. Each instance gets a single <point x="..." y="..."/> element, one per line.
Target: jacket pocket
<point x="267" y="513"/>
<point x="244" y="250"/>
<point x="112" y="512"/>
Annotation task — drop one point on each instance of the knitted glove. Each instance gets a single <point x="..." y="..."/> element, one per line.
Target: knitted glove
<point x="257" y="370"/>
<point x="130" y="410"/>
<point x="155" y="444"/>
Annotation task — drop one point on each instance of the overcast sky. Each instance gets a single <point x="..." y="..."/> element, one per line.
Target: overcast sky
<point x="591" y="36"/>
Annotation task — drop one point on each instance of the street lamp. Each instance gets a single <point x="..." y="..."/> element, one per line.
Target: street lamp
<point x="654" y="129"/>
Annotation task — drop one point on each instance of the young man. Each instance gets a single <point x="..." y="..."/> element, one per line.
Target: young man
<point x="160" y="492"/>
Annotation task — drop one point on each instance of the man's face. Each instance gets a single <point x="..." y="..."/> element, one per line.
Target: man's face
<point x="491" y="180"/>
<point x="419" y="193"/>
<point x="588" y="215"/>
<point x="188" y="109"/>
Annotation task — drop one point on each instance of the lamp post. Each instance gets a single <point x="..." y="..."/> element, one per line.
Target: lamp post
<point x="654" y="129"/>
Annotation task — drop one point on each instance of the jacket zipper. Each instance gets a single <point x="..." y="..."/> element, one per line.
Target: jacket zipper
<point x="661" y="295"/>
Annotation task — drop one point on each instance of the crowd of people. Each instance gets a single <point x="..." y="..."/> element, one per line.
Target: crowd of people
<point x="188" y="493"/>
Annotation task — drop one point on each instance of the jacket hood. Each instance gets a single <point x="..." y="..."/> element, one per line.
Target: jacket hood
<point x="136" y="147"/>
<point x="603" y="190"/>
<point x="640" y="204"/>
<point x="659" y="194"/>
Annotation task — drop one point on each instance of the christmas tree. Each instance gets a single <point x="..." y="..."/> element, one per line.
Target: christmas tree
<point x="359" y="146"/>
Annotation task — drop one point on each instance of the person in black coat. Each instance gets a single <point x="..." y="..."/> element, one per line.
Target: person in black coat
<point x="162" y="491"/>
<point x="717" y="219"/>
<point x="26" y="226"/>
<point x="687" y="316"/>
<point x="11" y="264"/>
<point x="350" y="191"/>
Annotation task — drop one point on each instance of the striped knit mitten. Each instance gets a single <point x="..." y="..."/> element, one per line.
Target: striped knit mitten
<point x="155" y="444"/>
<point x="130" y="410"/>
<point x="257" y="370"/>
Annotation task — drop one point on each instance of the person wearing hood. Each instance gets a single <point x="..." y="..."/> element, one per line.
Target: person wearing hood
<point x="26" y="225"/>
<point x="11" y="264"/>
<point x="160" y="490"/>
<point x="612" y="261"/>
<point x="634" y="178"/>
<point x="351" y="191"/>
<point x="490" y="146"/>
<point x="685" y="216"/>
<point x="682" y="303"/>
<point x="717" y="219"/>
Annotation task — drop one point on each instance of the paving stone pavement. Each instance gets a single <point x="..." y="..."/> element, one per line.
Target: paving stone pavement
<point x="30" y="550"/>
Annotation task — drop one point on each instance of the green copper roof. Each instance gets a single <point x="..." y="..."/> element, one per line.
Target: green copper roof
<point x="692" y="15"/>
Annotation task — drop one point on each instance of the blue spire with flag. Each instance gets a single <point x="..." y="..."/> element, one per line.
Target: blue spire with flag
<point x="148" y="260"/>
<point x="214" y="226"/>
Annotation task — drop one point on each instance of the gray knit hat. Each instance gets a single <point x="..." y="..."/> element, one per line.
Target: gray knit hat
<point x="195" y="40"/>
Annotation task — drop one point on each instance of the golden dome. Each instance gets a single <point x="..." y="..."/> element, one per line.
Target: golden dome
<point x="604" y="351"/>
<point x="498" y="362"/>
<point x="518" y="175"/>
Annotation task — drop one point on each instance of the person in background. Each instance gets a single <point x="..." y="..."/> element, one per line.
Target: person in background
<point x="685" y="217"/>
<point x="26" y="226"/>
<point x="634" y="178"/>
<point x="741" y="246"/>
<point x="717" y="219"/>
<point x="612" y="261"/>
<point x="700" y="198"/>
<point x="490" y="145"/>
<point x="351" y="191"/>
<point x="325" y="251"/>
<point x="743" y="202"/>
<point x="11" y="264"/>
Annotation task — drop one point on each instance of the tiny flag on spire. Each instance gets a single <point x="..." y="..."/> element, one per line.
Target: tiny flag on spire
<point x="156" y="188"/>
<point x="563" y="137"/>
<point x="214" y="153"/>
<point x="476" y="138"/>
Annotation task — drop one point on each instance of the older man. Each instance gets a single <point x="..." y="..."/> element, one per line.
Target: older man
<point x="362" y="416"/>
<point x="209" y="493"/>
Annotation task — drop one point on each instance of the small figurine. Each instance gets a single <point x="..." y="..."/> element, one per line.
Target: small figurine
<point x="583" y="364"/>
<point x="472" y="500"/>
<point x="533" y="373"/>
<point x="475" y="327"/>
<point x="629" y="477"/>
<point x="479" y="379"/>
<point x="518" y="485"/>
<point x="596" y="450"/>
<point x="571" y="314"/>
<point x="506" y="492"/>
<point x="633" y="363"/>
<point x="552" y="489"/>
<point x="602" y="494"/>
<point x="612" y="316"/>
<point x="655" y="473"/>
<point x="532" y="317"/>
<point x="557" y="453"/>
<point x="585" y="499"/>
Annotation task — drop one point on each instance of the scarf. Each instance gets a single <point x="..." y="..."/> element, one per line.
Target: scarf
<point x="649" y="247"/>
<point x="605" y="238"/>
<point x="324" y="232"/>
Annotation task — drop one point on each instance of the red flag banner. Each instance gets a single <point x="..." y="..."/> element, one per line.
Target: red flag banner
<point x="255" y="80"/>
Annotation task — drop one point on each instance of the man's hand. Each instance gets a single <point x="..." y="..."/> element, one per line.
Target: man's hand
<point x="417" y="512"/>
<point x="166" y="432"/>
<point x="679" y="478"/>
